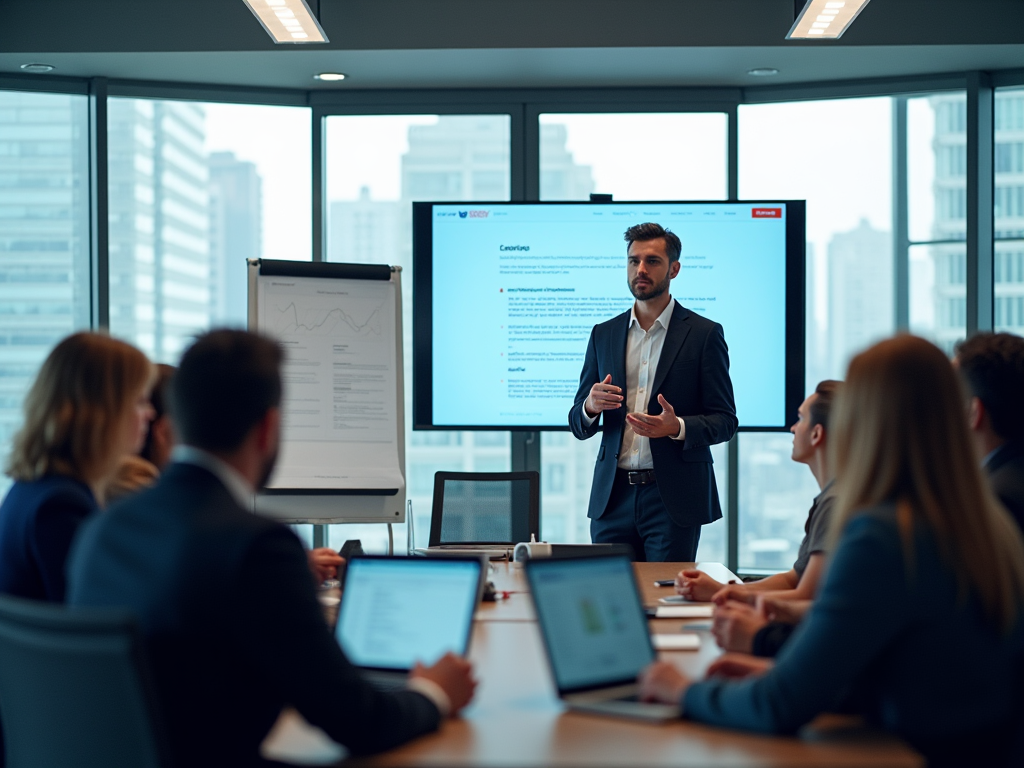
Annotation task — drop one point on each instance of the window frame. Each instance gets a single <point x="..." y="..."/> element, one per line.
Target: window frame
<point x="524" y="107"/>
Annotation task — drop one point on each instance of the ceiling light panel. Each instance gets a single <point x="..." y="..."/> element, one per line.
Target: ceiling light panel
<point x="288" y="21"/>
<point x="825" y="19"/>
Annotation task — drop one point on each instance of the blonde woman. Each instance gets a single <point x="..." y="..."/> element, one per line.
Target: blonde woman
<point x="87" y="409"/>
<point x="919" y="620"/>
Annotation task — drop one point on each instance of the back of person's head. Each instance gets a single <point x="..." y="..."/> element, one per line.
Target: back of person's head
<point x="821" y="407"/>
<point x="641" y="233"/>
<point x="159" y="398"/>
<point x="225" y="384"/>
<point x="899" y="435"/>
<point x="991" y="366"/>
<point x="75" y="411"/>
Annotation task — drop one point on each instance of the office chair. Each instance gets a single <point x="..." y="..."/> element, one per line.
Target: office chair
<point x="500" y="508"/>
<point x="74" y="689"/>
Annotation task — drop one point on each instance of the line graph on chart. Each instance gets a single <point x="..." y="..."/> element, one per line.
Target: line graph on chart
<point x="360" y="317"/>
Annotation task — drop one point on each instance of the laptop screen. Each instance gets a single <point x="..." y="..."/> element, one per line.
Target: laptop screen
<point x="399" y="611"/>
<point x="592" y="620"/>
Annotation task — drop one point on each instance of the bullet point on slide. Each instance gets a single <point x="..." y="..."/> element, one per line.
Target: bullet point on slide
<point x="501" y="290"/>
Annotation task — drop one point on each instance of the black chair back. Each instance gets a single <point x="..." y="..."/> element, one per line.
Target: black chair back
<point x="74" y="689"/>
<point x="485" y="508"/>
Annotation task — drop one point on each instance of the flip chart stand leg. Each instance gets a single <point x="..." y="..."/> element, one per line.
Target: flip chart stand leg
<point x="391" y="541"/>
<point x="319" y="536"/>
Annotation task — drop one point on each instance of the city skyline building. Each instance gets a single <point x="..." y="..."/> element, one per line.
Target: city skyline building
<point x="236" y="234"/>
<point x="860" y="292"/>
<point x="44" y="238"/>
<point x="159" y="181"/>
<point x="950" y="192"/>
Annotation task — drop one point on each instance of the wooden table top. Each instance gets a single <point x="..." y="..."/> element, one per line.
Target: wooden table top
<point x="516" y="718"/>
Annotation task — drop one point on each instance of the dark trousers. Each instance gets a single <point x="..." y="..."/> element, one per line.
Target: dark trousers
<point x="636" y="515"/>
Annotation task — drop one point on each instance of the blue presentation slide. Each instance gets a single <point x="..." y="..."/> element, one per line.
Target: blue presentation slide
<point x="518" y="288"/>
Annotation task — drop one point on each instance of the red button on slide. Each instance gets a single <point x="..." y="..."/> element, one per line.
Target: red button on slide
<point x="766" y="213"/>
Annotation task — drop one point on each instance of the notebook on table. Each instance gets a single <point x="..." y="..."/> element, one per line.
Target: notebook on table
<point x="595" y="634"/>
<point x="397" y="611"/>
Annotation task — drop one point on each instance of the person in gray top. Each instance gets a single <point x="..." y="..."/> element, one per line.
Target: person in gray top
<point x="737" y="617"/>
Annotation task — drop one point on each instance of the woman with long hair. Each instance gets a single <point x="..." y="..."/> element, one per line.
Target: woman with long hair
<point x="87" y="409"/>
<point x="919" y="624"/>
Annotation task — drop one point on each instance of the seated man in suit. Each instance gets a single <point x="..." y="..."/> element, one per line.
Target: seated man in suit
<point x="224" y="598"/>
<point x="991" y="367"/>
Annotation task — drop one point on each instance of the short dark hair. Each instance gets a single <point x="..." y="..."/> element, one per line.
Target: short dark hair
<point x="640" y="233"/>
<point x="992" y="368"/>
<point x="225" y="384"/>
<point x="821" y="408"/>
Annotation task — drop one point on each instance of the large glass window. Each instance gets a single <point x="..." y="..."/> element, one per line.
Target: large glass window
<point x="937" y="216"/>
<point x="1008" y="269"/>
<point x="195" y="190"/>
<point x="775" y="497"/>
<point x="44" y="238"/>
<point x="377" y="165"/>
<point x="653" y="156"/>
<point x="840" y="162"/>
<point x="656" y="156"/>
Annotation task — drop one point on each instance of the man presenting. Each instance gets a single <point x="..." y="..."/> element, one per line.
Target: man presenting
<point x="659" y="374"/>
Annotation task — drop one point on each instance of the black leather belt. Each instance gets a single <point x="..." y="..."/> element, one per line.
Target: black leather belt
<point x="641" y="477"/>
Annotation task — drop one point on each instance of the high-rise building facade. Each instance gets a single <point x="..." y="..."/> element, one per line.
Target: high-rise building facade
<point x="236" y="234"/>
<point x="950" y="190"/>
<point x="860" y="292"/>
<point x="44" y="238"/>
<point x="160" y="271"/>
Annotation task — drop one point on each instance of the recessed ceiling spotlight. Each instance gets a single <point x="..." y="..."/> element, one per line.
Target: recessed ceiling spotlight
<point x="38" y="68"/>
<point x="288" y="21"/>
<point x="763" y="71"/>
<point x="330" y="77"/>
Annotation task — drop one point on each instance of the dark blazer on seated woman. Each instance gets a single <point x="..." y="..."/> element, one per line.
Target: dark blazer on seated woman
<point x="900" y="639"/>
<point x="38" y="520"/>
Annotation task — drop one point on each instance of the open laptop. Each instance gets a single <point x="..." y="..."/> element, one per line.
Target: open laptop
<point x="595" y="633"/>
<point x="396" y="611"/>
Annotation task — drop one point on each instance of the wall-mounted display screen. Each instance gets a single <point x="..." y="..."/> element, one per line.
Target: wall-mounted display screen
<point x="506" y="294"/>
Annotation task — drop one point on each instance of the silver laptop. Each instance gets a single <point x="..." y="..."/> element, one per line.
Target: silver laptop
<point x="396" y="611"/>
<point x="595" y="633"/>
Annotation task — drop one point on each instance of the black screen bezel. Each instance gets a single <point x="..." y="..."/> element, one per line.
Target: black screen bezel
<point x="422" y="302"/>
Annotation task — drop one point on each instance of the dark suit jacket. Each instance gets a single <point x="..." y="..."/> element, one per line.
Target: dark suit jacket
<point x="1006" y="473"/>
<point x="693" y="375"/>
<point x="233" y="628"/>
<point x="38" y="521"/>
<point x="884" y="630"/>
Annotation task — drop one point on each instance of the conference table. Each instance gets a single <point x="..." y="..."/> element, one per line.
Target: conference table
<point x="516" y="718"/>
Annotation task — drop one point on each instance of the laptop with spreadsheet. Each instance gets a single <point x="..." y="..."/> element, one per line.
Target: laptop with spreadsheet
<point x="595" y="633"/>
<point x="397" y="611"/>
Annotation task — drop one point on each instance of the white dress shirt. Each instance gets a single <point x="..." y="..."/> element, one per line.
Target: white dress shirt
<point x="643" y="352"/>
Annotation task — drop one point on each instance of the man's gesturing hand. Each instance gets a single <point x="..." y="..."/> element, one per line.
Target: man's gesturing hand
<point x="603" y="397"/>
<point x="665" y="424"/>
